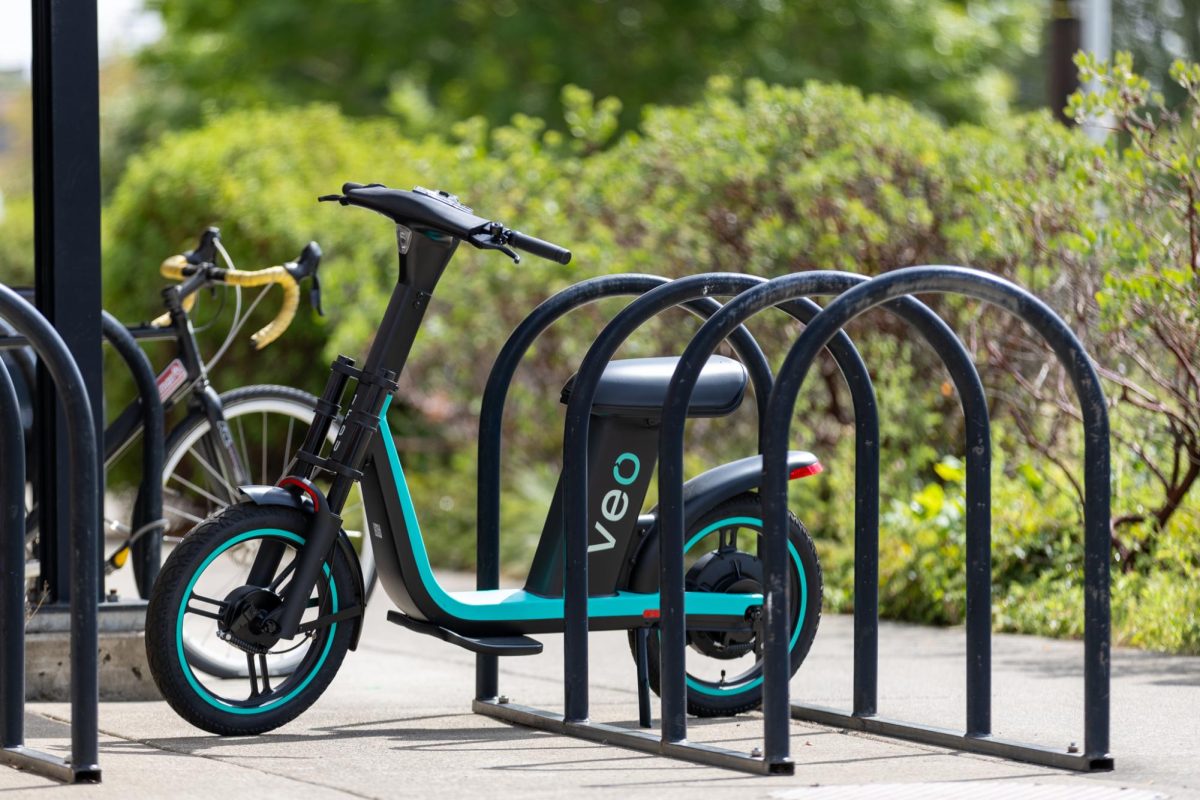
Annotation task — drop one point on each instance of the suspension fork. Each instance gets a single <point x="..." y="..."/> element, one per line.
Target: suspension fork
<point x="345" y="463"/>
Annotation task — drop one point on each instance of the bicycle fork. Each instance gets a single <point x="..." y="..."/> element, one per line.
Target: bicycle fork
<point x="344" y="463"/>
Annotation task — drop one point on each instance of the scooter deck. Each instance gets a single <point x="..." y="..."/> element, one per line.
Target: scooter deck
<point x="510" y="605"/>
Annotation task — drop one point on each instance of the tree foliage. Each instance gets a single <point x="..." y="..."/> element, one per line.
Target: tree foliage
<point x="437" y="61"/>
<point x="751" y="177"/>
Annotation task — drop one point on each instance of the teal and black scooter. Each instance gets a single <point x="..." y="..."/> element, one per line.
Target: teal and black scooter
<point x="277" y="574"/>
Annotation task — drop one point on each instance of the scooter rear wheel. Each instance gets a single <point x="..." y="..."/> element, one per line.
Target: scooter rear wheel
<point x="203" y="586"/>
<point x="724" y="670"/>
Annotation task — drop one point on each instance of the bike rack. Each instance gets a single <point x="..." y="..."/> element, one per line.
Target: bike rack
<point x="491" y="421"/>
<point x="148" y="508"/>
<point x="783" y="292"/>
<point x="83" y="465"/>
<point x="147" y="551"/>
<point x="1097" y="619"/>
<point x="575" y="722"/>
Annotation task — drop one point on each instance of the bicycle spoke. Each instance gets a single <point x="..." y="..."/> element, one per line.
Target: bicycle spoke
<point x="264" y="449"/>
<point x="213" y="472"/>
<point x="286" y="571"/>
<point x="200" y="613"/>
<point x="181" y="513"/>
<point x="287" y="450"/>
<point x="254" y="692"/>
<point x="195" y="488"/>
<point x="190" y="609"/>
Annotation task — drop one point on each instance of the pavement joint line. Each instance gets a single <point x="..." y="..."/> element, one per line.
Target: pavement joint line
<point x="227" y="761"/>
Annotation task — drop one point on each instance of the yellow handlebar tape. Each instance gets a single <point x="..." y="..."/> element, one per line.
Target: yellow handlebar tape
<point x="173" y="269"/>
<point x="287" y="309"/>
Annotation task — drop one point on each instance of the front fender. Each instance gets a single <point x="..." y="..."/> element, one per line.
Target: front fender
<point x="279" y="496"/>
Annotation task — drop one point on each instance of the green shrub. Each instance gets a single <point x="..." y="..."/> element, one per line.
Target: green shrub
<point x="757" y="178"/>
<point x="16" y="240"/>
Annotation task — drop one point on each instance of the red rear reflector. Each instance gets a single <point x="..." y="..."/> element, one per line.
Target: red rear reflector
<point x="650" y="613"/>
<point x="804" y="472"/>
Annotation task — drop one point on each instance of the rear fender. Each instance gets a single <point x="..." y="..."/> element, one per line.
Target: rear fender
<point x="701" y="494"/>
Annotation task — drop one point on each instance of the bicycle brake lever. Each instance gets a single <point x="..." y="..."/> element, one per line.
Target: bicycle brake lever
<point x="486" y="237"/>
<point x="314" y="295"/>
<point x="328" y="198"/>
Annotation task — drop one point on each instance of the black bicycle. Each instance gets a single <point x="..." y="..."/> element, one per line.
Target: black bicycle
<point x="247" y="435"/>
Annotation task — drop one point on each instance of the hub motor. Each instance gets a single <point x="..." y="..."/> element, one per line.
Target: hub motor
<point x="730" y="571"/>
<point x="245" y="620"/>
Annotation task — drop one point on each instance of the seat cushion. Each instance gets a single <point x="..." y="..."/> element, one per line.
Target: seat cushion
<point x="637" y="387"/>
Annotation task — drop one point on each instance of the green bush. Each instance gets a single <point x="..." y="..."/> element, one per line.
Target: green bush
<point x="16" y="241"/>
<point x="752" y="178"/>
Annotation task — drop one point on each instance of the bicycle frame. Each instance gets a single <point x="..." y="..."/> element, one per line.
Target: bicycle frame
<point x="185" y="375"/>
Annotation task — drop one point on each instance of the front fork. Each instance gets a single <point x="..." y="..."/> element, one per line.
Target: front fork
<point x="345" y="464"/>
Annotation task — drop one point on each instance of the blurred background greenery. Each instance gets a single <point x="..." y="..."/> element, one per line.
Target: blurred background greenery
<point x="676" y="137"/>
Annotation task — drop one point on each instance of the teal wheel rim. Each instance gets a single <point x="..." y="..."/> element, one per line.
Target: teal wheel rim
<point x="201" y="691"/>
<point x="751" y="681"/>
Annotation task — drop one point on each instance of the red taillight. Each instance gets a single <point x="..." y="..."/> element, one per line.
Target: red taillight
<point x="650" y="613"/>
<point x="804" y="472"/>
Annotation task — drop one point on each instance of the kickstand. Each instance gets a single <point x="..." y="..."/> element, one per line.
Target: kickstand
<point x="641" y="635"/>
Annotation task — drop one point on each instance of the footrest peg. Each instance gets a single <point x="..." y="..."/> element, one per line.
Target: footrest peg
<point x="486" y="645"/>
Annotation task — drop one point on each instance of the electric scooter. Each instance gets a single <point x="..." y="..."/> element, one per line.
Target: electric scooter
<point x="277" y="574"/>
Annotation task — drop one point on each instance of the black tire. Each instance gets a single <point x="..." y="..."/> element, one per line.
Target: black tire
<point x="193" y="694"/>
<point x="715" y="698"/>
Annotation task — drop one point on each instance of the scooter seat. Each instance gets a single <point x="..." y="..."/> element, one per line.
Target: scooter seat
<point x="637" y="387"/>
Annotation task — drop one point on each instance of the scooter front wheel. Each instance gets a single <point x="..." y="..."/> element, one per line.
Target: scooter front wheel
<point x="724" y="668"/>
<point x="203" y="591"/>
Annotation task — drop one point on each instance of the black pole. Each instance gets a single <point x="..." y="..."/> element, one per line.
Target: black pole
<point x="783" y="292"/>
<point x="1075" y="360"/>
<point x="66" y="194"/>
<point x="574" y="481"/>
<point x="12" y="565"/>
<point x="1062" y="78"/>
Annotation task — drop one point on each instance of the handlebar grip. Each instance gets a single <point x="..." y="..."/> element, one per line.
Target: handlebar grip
<point x="287" y="312"/>
<point x="539" y="247"/>
<point x="173" y="268"/>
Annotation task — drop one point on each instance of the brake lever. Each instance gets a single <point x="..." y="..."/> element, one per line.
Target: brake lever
<point x="491" y="237"/>
<point x="329" y="198"/>
<point x="314" y="295"/>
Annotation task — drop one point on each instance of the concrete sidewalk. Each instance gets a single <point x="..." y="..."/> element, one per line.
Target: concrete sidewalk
<point x="397" y="723"/>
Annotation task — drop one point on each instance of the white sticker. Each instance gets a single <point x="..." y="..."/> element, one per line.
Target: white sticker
<point x="174" y="376"/>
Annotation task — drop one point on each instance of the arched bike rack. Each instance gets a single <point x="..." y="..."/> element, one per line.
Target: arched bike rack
<point x="82" y="467"/>
<point x="823" y="329"/>
<point x="782" y="292"/>
<point x="148" y="509"/>
<point x="1097" y="620"/>
<point x="491" y="418"/>
<point x="574" y="722"/>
